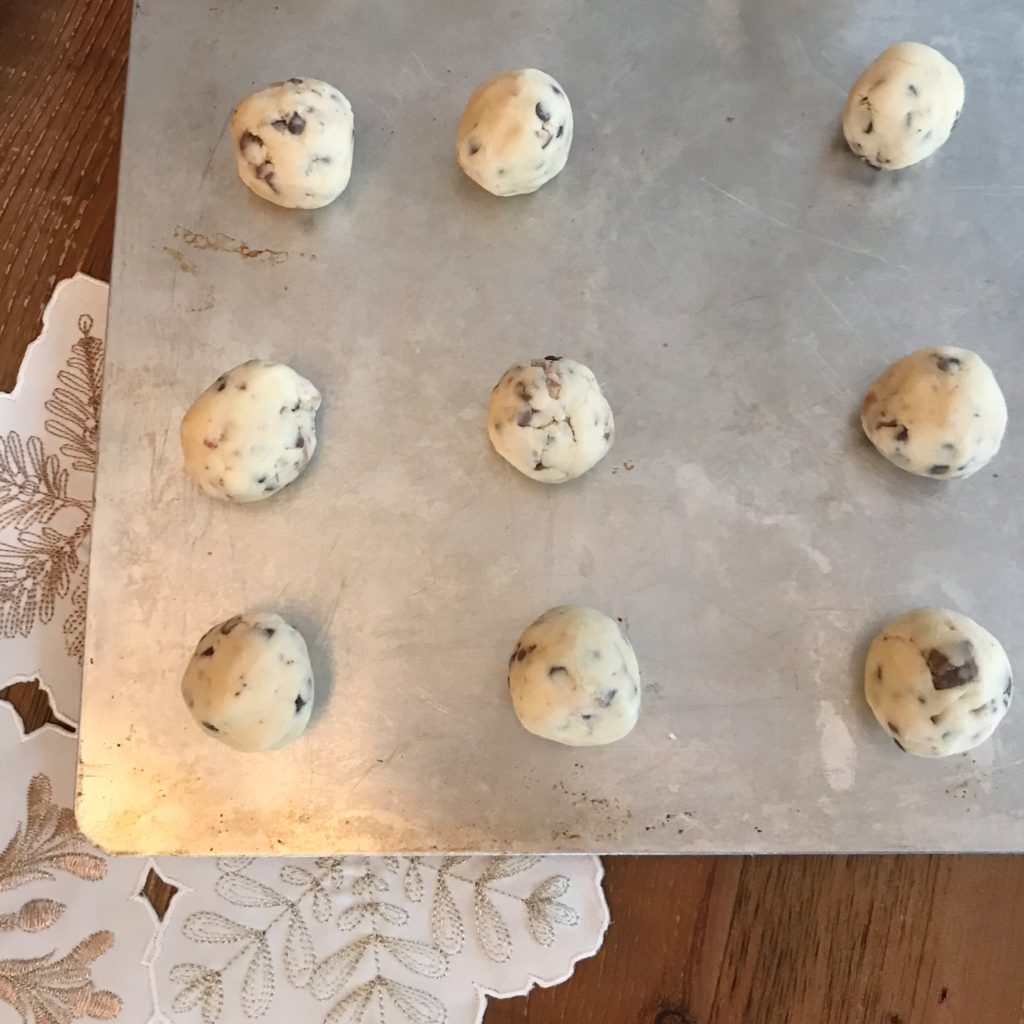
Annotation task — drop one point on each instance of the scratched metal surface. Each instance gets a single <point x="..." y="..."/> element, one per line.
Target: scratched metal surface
<point x="733" y="275"/>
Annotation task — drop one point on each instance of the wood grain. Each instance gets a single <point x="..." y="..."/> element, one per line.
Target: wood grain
<point x="773" y="940"/>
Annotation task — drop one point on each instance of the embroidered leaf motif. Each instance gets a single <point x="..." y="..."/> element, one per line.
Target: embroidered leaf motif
<point x="418" y="1006"/>
<point x="292" y="874"/>
<point x="322" y="907"/>
<point x="48" y="840"/>
<point x="76" y="404"/>
<point x="507" y="867"/>
<point x="354" y="916"/>
<point x="49" y="991"/>
<point x="233" y="865"/>
<point x="413" y="881"/>
<point x="491" y="930"/>
<point x="33" y="916"/>
<point x="351" y="1009"/>
<point x="368" y="884"/>
<point x="203" y="988"/>
<point x="551" y="888"/>
<point x="544" y="910"/>
<point x="247" y="892"/>
<point x="331" y="974"/>
<point x="417" y="957"/>
<point x="258" y="986"/>
<point x="298" y="951"/>
<point x="207" y="926"/>
<point x="446" y="927"/>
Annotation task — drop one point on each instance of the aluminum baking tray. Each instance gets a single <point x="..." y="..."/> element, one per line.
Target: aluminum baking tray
<point x="734" y="276"/>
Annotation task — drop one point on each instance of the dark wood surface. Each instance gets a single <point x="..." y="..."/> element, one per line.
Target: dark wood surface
<point x="771" y="940"/>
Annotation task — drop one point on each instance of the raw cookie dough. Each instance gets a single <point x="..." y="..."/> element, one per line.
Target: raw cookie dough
<point x="293" y="142"/>
<point x="938" y="413"/>
<point x="903" y="107"/>
<point x="515" y="132"/>
<point x="937" y="682"/>
<point x="550" y="419"/>
<point x="251" y="432"/>
<point x="249" y="683"/>
<point x="574" y="678"/>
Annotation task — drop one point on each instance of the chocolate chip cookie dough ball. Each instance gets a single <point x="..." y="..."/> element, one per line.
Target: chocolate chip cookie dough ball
<point x="251" y="432"/>
<point x="903" y="107"/>
<point x="293" y="142"/>
<point x="938" y="683"/>
<point x="249" y="683"/>
<point x="515" y="132"/>
<point x="574" y="678"/>
<point x="550" y="419"/>
<point x="938" y="413"/>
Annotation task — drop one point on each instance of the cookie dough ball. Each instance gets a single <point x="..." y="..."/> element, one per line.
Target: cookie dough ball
<point x="515" y="132"/>
<point x="903" y="107"/>
<point x="249" y="683"/>
<point x="293" y="142"/>
<point x="574" y="678"/>
<point x="251" y="432"/>
<point x="938" y="412"/>
<point x="550" y="419"/>
<point x="937" y="682"/>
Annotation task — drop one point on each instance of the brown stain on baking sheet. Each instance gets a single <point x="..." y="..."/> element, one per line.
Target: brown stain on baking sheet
<point x="219" y="242"/>
<point x="179" y="257"/>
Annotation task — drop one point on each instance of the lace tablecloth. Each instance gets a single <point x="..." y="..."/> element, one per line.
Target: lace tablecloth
<point x="338" y="940"/>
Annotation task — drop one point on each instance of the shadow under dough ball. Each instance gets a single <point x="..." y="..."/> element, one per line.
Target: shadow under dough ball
<point x="903" y="107"/>
<point x="251" y="432"/>
<point x="550" y="419"/>
<point x="249" y="683"/>
<point x="574" y="678"/>
<point x="515" y="132"/>
<point x="938" y="683"/>
<point x="293" y="142"/>
<point x="937" y="413"/>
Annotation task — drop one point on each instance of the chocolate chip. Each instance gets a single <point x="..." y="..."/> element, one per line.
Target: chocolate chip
<point x="230" y="624"/>
<point x="606" y="698"/>
<point x="474" y="148"/>
<point x="210" y="726"/>
<point x="544" y="115"/>
<point x="269" y="630"/>
<point x="208" y="653"/>
<point x="878" y="673"/>
<point x="280" y="124"/>
<point x="524" y="417"/>
<point x="946" y="675"/>
<point x="870" y="128"/>
<point x="520" y="654"/>
<point x="552" y="359"/>
<point x="296" y="124"/>
<point x="561" y="128"/>
<point x="892" y="728"/>
<point x="898" y="744"/>
<point x="1008" y="689"/>
<point x="300" y="703"/>
<point x="300" y="442"/>
<point x="209" y="443"/>
<point x="909" y="119"/>
<point x="903" y="434"/>
<point x="607" y="435"/>
<point x="556" y="90"/>
<point x="538" y="466"/>
<point x="547" y="141"/>
<point x="938" y="470"/>
<point x="243" y="387"/>
<point x="912" y="89"/>
<point x="222" y="384"/>
<point x="586" y="718"/>
<point x="557" y="670"/>
<point x="296" y="81"/>
<point x="947" y="364"/>
<point x="261" y="479"/>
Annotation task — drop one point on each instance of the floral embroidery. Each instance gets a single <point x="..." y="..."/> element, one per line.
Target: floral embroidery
<point x="43" y="989"/>
<point x="47" y="526"/>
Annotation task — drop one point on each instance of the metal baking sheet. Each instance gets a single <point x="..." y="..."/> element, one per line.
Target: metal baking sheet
<point x="736" y="279"/>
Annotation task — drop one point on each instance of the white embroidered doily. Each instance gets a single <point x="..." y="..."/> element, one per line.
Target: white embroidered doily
<point x="343" y="940"/>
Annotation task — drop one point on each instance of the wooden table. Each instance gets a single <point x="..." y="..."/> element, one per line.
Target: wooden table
<point x="769" y="940"/>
